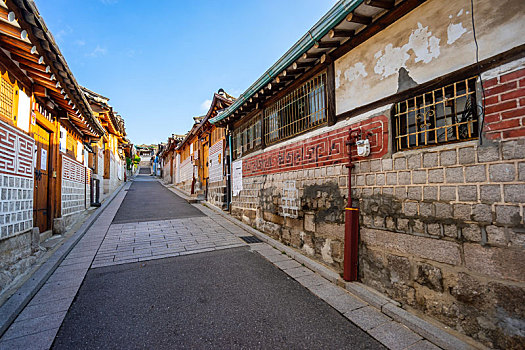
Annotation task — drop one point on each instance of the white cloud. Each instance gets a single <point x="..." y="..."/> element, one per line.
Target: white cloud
<point x="98" y="51"/>
<point x="206" y="105"/>
<point x="80" y="42"/>
<point x="109" y="2"/>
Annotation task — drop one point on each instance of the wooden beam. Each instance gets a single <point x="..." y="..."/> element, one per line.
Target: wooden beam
<point x="341" y="33"/>
<point x="379" y="24"/>
<point x="19" y="53"/>
<point x="311" y="55"/>
<point x="284" y="79"/>
<point x="8" y="28"/>
<point x="9" y="40"/>
<point x="326" y="44"/>
<point x="13" y="69"/>
<point x="296" y="71"/>
<point x="383" y="4"/>
<point x="40" y="90"/>
<point x="355" y="18"/>
<point x="299" y="65"/>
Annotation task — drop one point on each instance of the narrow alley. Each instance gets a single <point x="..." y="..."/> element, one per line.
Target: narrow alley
<point x="156" y="272"/>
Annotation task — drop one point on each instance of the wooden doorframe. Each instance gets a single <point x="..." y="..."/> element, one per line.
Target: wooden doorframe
<point x="51" y="128"/>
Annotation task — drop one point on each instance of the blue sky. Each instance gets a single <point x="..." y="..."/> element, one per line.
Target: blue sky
<point x="160" y="61"/>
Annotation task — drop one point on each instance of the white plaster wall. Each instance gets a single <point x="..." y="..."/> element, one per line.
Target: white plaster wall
<point x="434" y="39"/>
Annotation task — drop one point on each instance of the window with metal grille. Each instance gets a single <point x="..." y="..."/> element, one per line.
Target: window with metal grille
<point x="302" y="109"/>
<point x="443" y="115"/>
<point x="247" y="138"/>
<point x="7" y="92"/>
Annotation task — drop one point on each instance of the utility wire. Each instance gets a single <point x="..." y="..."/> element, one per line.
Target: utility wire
<point x="482" y="113"/>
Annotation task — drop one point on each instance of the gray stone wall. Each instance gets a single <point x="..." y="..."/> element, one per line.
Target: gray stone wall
<point x="442" y="232"/>
<point x="217" y="194"/>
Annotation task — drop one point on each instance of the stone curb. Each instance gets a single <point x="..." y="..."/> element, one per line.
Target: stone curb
<point x="385" y="305"/>
<point x="181" y="194"/>
<point x="16" y="303"/>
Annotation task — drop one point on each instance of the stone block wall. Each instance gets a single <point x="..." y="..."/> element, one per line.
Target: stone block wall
<point x="217" y="193"/>
<point x="442" y="228"/>
<point x="442" y="232"/>
<point x="302" y="208"/>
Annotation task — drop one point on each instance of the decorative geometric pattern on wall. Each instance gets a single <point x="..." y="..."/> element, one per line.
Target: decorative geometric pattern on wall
<point x="16" y="152"/>
<point x="73" y="170"/>
<point x="216" y="161"/>
<point x="321" y="150"/>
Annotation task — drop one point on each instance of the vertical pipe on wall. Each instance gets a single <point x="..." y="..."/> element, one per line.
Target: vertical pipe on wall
<point x="229" y="201"/>
<point x="351" y="221"/>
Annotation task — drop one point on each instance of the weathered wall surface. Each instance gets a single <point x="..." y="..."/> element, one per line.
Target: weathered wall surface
<point x="434" y="39"/>
<point x="441" y="228"/>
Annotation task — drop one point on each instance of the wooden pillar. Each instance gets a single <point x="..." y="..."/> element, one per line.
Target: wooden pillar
<point x="330" y="93"/>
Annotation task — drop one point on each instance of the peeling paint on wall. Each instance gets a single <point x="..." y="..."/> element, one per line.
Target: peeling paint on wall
<point x="421" y="42"/>
<point x="356" y="71"/>
<point x="454" y="32"/>
<point x="432" y="40"/>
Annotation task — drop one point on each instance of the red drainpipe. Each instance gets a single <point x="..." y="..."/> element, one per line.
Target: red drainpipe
<point x="351" y="220"/>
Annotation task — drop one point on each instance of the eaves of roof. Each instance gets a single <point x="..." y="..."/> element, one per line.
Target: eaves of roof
<point x="334" y="16"/>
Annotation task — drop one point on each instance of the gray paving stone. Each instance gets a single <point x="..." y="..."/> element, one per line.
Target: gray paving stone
<point x="287" y="264"/>
<point x="298" y="272"/>
<point x="311" y="280"/>
<point x="367" y="317"/>
<point x="394" y="335"/>
<point x="344" y="303"/>
<point x="326" y="290"/>
<point x="50" y="294"/>
<point x="42" y="309"/>
<point x="36" y="341"/>
<point x="423" y="345"/>
<point x="34" y="325"/>
<point x="278" y="257"/>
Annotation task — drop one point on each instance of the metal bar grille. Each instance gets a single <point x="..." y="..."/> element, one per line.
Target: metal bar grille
<point x="248" y="137"/>
<point x="443" y="115"/>
<point x="6" y="99"/>
<point x="300" y="110"/>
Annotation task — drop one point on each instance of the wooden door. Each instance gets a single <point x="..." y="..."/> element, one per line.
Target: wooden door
<point x="41" y="185"/>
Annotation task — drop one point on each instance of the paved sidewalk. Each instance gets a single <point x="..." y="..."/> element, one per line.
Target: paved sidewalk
<point x="147" y="240"/>
<point x="37" y="325"/>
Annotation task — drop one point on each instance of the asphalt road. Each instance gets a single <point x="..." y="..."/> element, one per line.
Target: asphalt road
<point x="229" y="299"/>
<point x="149" y="201"/>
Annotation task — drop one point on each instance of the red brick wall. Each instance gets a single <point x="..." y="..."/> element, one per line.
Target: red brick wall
<point x="505" y="106"/>
<point x="321" y="150"/>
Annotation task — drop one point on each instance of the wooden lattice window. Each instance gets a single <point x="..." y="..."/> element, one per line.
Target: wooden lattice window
<point x="71" y="145"/>
<point x="443" y="115"/>
<point x="7" y="98"/>
<point x="300" y="110"/>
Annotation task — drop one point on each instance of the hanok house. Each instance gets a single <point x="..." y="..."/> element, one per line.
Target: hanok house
<point x="107" y="161"/>
<point x="45" y="123"/>
<point x="201" y="166"/>
<point x="431" y="94"/>
<point x="167" y="158"/>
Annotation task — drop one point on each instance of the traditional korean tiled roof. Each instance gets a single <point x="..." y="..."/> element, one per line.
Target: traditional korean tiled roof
<point x="40" y="66"/>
